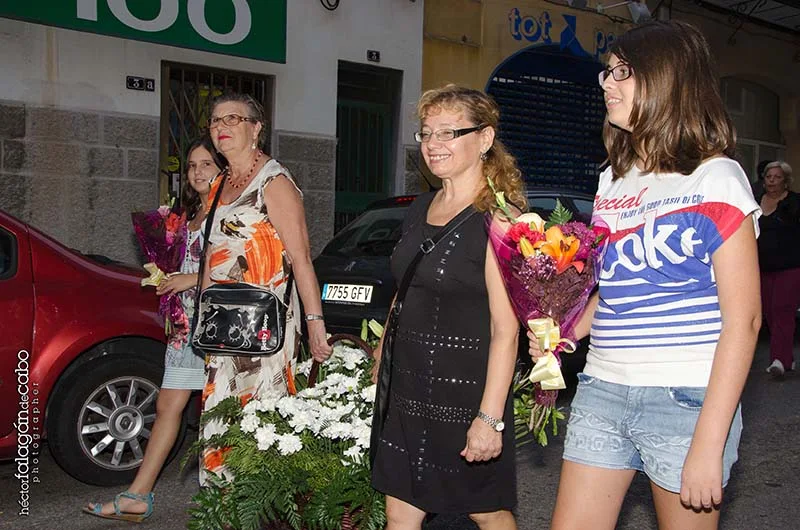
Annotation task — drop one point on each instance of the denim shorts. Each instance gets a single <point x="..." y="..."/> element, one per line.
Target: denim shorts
<point x="646" y="428"/>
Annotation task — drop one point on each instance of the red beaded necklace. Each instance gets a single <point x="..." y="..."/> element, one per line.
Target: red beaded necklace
<point x="249" y="174"/>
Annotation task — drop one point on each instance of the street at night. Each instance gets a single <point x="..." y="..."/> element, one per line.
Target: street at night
<point x="760" y="495"/>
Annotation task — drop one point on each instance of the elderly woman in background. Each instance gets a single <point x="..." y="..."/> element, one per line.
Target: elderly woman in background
<point x="447" y="445"/>
<point x="779" y="260"/>
<point x="258" y="236"/>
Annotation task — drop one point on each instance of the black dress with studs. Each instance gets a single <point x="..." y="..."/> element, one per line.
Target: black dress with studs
<point x="438" y="377"/>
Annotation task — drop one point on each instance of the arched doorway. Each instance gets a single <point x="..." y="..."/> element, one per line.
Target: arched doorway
<point x="552" y="113"/>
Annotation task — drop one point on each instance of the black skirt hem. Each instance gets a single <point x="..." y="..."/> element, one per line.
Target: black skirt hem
<point x="430" y="507"/>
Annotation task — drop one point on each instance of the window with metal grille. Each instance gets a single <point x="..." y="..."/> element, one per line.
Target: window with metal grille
<point x="551" y="117"/>
<point x="187" y="94"/>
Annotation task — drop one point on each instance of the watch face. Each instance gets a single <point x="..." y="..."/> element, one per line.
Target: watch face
<point x="500" y="426"/>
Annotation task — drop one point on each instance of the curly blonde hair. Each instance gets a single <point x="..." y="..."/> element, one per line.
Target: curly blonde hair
<point x="499" y="165"/>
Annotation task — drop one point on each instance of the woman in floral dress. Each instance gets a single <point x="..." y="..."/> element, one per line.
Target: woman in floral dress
<point x="258" y="236"/>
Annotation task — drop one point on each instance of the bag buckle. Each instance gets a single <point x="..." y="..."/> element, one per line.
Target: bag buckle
<point x="427" y="246"/>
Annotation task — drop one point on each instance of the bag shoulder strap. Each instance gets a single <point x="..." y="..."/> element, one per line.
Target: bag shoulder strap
<point x="426" y="247"/>
<point x="209" y="221"/>
<point x="207" y="236"/>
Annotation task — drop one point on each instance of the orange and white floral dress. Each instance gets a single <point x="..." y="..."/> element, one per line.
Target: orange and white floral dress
<point x="245" y="247"/>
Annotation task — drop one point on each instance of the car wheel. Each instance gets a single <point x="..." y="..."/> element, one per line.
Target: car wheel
<point x="100" y="419"/>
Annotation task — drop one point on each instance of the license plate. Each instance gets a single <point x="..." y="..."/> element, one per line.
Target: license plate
<point x="348" y="293"/>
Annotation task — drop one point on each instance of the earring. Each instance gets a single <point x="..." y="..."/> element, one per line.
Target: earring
<point x="484" y="156"/>
<point x="253" y="147"/>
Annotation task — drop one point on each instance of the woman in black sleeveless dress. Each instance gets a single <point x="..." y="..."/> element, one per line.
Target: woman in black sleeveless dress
<point x="443" y="447"/>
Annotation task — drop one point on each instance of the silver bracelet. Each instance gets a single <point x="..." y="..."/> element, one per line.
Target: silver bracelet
<point x="310" y="317"/>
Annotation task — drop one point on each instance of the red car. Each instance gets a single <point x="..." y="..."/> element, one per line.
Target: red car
<point x="81" y="358"/>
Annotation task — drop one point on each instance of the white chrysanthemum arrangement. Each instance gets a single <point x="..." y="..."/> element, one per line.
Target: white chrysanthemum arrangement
<point x="338" y="408"/>
<point x="298" y="461"/>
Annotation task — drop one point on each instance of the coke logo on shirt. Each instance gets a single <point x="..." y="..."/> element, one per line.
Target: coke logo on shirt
<point x="654" y="244"/>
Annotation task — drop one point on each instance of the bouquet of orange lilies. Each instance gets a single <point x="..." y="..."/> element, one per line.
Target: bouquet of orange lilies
<point x="549" y="269"/>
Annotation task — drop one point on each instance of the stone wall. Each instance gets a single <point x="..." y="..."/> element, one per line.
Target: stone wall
<point x="414" y="165"/>
<point x="77" y="175"/>
<point x="312" y="162"/>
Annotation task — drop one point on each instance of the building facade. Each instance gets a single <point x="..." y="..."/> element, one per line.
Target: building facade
<point x="100" y="98"/>
<point x="539" y="59"/>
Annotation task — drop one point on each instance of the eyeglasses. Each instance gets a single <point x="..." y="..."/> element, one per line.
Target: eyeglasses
<point x="621" y="72"/>
<point x="445" y="135"/>
<point x="231" y="120"/>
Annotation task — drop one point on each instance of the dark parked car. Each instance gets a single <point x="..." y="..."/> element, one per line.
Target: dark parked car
<point x="543" y="201"/>
<point x="81" y="358"/>
<point x="353" y="269"/>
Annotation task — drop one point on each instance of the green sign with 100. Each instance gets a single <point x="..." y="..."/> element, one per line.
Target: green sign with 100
<point x="246" y="28"/>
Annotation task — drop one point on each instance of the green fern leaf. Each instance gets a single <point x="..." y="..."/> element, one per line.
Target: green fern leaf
<point x="559" y="216"/>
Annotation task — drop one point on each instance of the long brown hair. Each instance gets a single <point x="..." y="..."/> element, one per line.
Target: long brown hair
<point x="678" y="117"/>
<point x="499" y="165"/>
<point x="189" y="197"/>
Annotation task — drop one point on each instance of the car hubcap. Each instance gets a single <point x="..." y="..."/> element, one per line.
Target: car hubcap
<point x="115" y="422"/>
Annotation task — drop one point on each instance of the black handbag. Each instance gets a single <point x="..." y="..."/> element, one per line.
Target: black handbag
<point x="385" y="370"/>
<point x="238" y="318"/>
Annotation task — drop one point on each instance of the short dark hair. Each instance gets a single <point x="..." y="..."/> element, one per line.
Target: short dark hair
<point x="255" y="109"/>
<point x="678" y="117"/>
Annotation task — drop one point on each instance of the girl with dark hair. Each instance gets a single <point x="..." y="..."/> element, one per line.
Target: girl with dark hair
<point x="184" y="368"/>
<point x="192" y="200"/>
<point x="674" y="323"/>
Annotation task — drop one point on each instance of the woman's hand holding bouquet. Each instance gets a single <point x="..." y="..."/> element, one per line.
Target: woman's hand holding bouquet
<point x="549" y="269"/>
<point x="176" y="283"/>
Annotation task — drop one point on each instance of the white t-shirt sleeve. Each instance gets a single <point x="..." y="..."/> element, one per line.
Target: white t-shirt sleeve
<point x="728" y="198"/>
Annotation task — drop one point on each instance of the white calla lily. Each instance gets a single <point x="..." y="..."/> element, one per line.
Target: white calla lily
<point x="534" y="220"/>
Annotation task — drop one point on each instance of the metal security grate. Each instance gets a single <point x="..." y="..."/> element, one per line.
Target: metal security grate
<point x="187" y="94"/>
<point x="367" y="99"/>
<point x="552" y="121"/>
<point x="362" y="161"/>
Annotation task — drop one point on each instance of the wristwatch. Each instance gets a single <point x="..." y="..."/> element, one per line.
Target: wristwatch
<point x="496" y="424"/>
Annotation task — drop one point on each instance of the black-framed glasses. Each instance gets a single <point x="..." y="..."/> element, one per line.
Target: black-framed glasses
<point x="621" y="72"/>
<point x="231" y="120"/>
<point x="445" y="135"/>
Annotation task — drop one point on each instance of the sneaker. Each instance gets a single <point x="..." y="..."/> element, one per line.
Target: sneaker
<point x="776" y="368"/>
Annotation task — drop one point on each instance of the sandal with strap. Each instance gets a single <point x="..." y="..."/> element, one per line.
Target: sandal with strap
<point x="118" y="514"/>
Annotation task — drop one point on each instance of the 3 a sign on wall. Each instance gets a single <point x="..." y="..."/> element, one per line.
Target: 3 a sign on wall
<point x="246" y="28"/>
